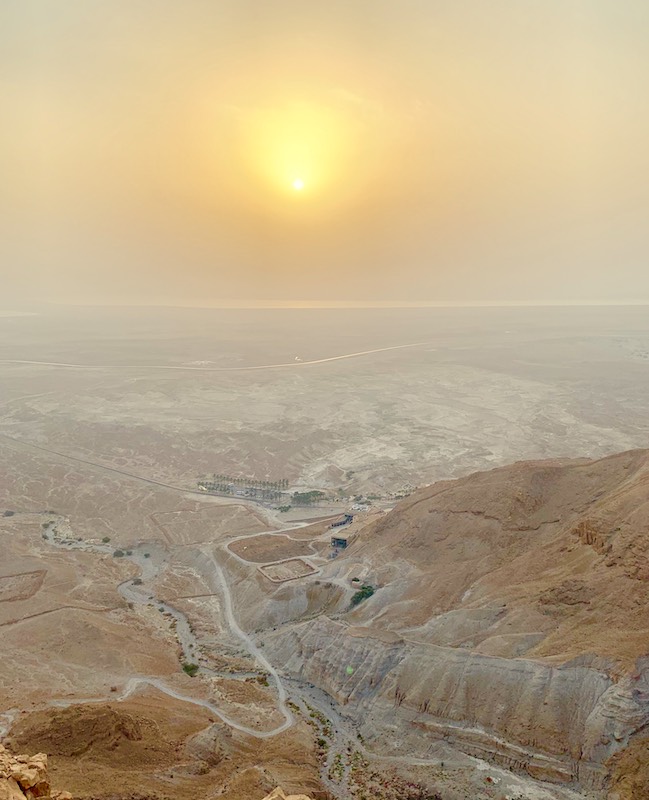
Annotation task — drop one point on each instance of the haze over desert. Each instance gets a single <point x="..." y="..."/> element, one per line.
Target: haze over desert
<point x="324" y="418"/>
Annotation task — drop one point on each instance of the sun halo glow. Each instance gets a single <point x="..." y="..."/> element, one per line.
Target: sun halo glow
<point x="298" y="147"/>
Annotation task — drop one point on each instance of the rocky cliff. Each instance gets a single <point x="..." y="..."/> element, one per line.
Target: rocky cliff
<point x="510" y="618"/>
<point x="24" y="776"/>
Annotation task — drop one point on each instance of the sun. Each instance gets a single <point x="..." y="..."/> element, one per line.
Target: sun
<point x="298" y="184"/>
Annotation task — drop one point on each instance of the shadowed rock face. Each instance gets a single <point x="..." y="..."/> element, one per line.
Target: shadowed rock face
<point x="511" y="618"/>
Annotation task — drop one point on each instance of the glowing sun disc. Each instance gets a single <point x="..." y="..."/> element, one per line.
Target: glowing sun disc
<point x="298" y="184"/>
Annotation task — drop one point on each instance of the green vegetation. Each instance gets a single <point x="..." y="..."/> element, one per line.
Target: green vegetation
<point x="190" y="669"/>
<point x="362" y="594"/>
<point x="118" y="554"/>
<point x="147" y="555"/>
<point x="106" y="539"/>
<point x="337" y="769"/>
<point x="284" y="509"/>
<point x="137" y="581"/>
<point x="307" y="498"/>
<point x="129" y="552"/>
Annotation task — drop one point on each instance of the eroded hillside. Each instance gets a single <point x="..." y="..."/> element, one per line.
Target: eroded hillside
<point x="510" y="618"/>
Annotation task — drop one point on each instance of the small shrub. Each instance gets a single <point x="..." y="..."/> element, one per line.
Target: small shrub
<point x="118" y="554"/>
<point x="362" y="594"/>
<point x="190" y="669"/>
<point x="137" y="581"/>
<point x="106" y="539"/>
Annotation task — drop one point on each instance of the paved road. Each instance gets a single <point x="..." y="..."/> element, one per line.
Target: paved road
<point x="212" y="369"/>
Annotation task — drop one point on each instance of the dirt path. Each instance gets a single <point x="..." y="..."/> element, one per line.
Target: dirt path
<point x="252" y="648"/>
<point x="187" y="639"/>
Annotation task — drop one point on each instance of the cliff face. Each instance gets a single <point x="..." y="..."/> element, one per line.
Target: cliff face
<point x="511" y="618"/>
<point x="555" y="722"/>
<point x="26" y="777"/>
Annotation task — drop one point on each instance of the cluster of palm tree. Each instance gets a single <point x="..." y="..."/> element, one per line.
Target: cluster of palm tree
<point x="226" y="484"/>
<point x="277" y="486"/>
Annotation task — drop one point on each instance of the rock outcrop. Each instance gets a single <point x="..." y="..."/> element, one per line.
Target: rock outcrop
<point x="278" y="794"/>
<point x="24" y="776"/>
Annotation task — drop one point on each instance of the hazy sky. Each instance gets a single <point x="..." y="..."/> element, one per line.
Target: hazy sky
<point x="449" y="150"/>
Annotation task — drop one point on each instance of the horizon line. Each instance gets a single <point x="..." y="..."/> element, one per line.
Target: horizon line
<point x="349" y="304"/>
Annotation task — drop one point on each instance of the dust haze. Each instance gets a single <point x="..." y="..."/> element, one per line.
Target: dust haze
<point x="324" y="366"/>
<point x="432" y="393"/>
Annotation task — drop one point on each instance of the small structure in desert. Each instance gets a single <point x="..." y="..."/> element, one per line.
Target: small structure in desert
<point x="341" y="542"/>
<point x="346" y="520"/>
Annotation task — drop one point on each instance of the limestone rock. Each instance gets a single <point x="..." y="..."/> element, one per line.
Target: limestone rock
<point x="23" y="776"/>
<point x="278" y="794"/>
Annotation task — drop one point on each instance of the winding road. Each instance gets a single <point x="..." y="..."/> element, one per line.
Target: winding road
<point x="128" y="591"/>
